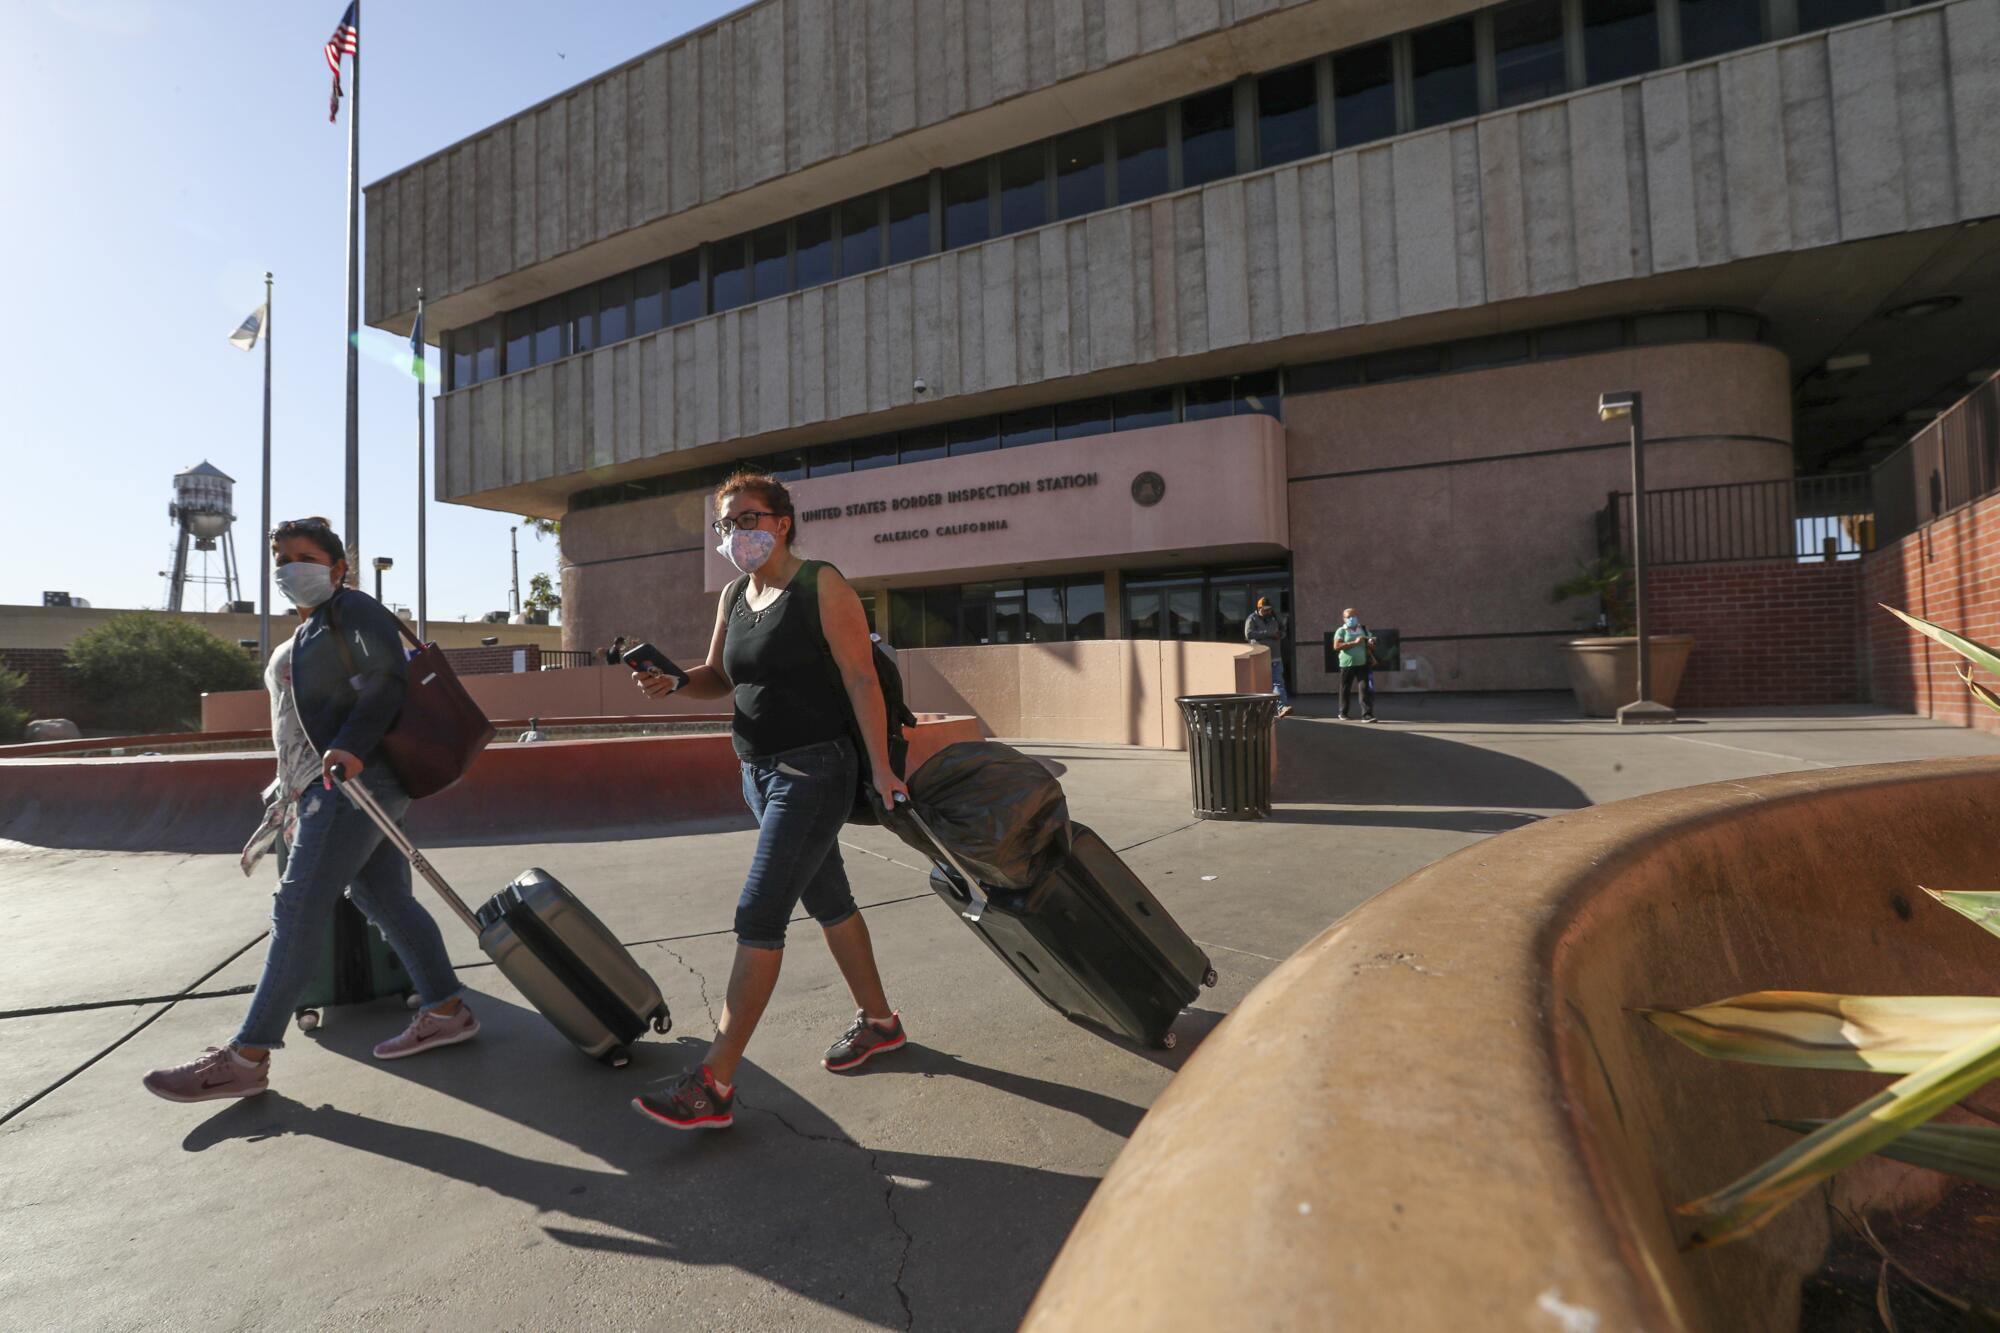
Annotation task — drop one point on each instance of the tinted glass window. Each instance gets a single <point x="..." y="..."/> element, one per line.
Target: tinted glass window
<point x="649" y="298"/>
<point x="549" y="331"/>
<point x="909" y="221"/>
<point x="1037" y="425"/>
<point x="1402" y="364"/>
<point x="1711" y="27"/>
<point x="1147" y="407"/>
<point x="614" y="309"/>
<point x="967" y="206"/>
<point x="1738" y="326"/>
<point x="1079" y="173"/>
<point x="1319" y="376"/>
<point x="1287" y="115"/>
<point x="812" y="262"/>
<point x="520" y="343"/>
<point x="922" y="445"/>
<point x="684" y="287"/>
<point x="1528" y="51"/>
<point x="1679" y="326"/>
<point x="461" y="343"/>
<point x="1142" y="155"/>
<point x="486" y="360"/>
<point x="1498" y="350"/>
<point x="1208" y="137"/>
<point x="1572" y="339"/>
<point x="829" y="460"/>
<point x="1444" y="73"/>
<point x="1024" y="192"/>
<point x="1043" y="622"/>
<point x="1210" y="399"/>
<point x="770" y="262"/>
<point x="877" y="452"/>
<point x="976" y="436"/>
<point x="1621" y="39"/>
<point x="1258" y="394"/>
<point x="1364" y="94"/>
<point x="1083" y="606"/>
<point x="728" y="280"/>
<point x="1092" y="417"/>
<point x="1817" y="14"/>
<point x="583" y="318"/>
<point x="860" y="235"/>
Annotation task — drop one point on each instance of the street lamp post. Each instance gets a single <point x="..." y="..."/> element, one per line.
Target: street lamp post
<point x="382" y="562"/>
<point x="1625" y="405"/>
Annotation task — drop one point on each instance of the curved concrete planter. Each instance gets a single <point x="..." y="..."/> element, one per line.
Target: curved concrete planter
<point x="1443" y="1113"/>
<point x="1605" y="672"/>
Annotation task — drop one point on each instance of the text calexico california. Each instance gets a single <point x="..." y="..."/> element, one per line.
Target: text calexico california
<point x="964" y="495"/>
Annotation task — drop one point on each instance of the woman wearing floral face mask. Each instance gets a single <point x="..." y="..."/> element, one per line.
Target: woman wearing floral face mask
<point x="329" y="707"/>
<point x="774" y="630"/>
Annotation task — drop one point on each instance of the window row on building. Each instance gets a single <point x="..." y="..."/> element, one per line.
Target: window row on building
<point x="1205" y="400"/>
<point x="1205" y="604"/>
<point x="1498" y="57"/>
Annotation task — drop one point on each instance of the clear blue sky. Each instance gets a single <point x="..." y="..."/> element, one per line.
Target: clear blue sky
<point x="158" y="158"/>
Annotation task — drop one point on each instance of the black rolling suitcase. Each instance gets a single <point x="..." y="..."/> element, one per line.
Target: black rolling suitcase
<point x="554" y="950"/>
<point x="1089" y="938"/>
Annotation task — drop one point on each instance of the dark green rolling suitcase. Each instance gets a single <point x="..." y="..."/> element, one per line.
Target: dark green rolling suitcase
<point x="356" y="964"/>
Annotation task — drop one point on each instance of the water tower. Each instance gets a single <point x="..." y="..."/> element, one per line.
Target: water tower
<point x="203" y="513"/>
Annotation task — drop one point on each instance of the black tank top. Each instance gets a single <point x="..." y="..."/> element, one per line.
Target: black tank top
<point x="788" y="692"/>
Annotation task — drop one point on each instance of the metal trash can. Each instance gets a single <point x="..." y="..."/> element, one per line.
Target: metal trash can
<point x="1229" y="753"/>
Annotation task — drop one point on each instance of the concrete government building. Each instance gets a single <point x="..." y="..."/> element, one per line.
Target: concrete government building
<point x="1210" y="299"/>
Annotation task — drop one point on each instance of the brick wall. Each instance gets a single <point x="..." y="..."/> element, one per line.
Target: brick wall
<point x="1766" y="632"/>
<point x="1947" y="572"/>
<point x="495" y="661"/>
<point x="48" y="692"/>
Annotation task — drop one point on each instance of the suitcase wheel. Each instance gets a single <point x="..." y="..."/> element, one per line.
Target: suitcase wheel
<point x="412" y="1000"/>
<point x="308" y="1019"/>
<point x="663" y="1022"/>
<point x="1209" y="978"/>
<point x="617" y="1057"/>
<point x="1170" y="1040"/>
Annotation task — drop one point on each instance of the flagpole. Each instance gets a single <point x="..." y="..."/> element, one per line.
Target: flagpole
<point x="264" y="537"/>
<point x="423" y="568"/>
<point x="353" y="533"/>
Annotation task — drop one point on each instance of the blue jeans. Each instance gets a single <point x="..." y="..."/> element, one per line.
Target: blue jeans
<point x="337" y="847"/>
<point x="1278" y="681"/>
<point x="800" y="798"/>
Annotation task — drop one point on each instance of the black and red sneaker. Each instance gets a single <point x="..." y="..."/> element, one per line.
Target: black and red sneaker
<point x="692" y="1103"/>
<point x="863" y="1039"/>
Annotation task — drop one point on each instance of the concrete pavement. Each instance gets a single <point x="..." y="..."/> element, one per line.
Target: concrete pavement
<point x="505" y="1184"/>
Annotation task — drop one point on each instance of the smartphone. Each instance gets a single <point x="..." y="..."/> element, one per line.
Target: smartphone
<point x="645" y="657"/>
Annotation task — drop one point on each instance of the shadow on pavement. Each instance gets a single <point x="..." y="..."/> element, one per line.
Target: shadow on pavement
<point x="1338" y="763"/>
<point x="1450" y="821"/>
<point x="785" y="1196"/>
<point x="1107" y="1113"/>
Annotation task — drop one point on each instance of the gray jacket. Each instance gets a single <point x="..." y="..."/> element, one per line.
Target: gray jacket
<point x="1269" y="631"/>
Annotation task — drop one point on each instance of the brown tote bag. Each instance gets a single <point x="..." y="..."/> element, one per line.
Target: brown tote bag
<point x="440" y="730"/>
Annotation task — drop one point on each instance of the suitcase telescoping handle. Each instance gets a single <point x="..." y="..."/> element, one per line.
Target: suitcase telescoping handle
<point x="365" y="800"/>
<point x="973" y="909"/>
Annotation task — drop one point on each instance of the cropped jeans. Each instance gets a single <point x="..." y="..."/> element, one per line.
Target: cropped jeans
<point x="338" y="848"/>
<point x="800" y="798"/>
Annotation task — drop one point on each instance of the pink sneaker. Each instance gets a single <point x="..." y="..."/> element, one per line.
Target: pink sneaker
<point x="427" y="1030"/>
<point x="219" y="1072"/>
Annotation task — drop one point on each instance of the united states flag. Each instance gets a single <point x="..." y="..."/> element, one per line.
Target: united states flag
<point x="346" y="40"/>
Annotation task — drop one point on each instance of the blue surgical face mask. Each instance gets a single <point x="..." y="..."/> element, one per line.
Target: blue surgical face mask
<point x="1354" y="622"/>
<point x="304" y="583"/>
<point x="747" y="549"/>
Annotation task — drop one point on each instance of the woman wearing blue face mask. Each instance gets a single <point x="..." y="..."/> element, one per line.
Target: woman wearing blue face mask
<point x="336" y="687"/>
<point x="775" y="629"/>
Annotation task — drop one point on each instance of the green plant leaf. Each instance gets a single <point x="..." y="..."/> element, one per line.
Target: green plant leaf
<point x="1976" y="653"/>
<point x="1887" y="1034"/>
<point x="1971" y="1151"/>
<point x="1746" y="1204"/>
<point x="1980" y="692"/>
<point x="1975" y="905"/>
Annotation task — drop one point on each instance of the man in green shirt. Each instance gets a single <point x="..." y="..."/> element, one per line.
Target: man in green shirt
<point x="1357" y="662"/>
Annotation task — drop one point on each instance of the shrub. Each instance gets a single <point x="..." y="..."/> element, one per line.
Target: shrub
<point x="147" y="671"/>
<point x="12" y="719"/>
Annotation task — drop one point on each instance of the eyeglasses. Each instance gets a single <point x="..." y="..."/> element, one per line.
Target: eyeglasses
<point x="747" y="520"/>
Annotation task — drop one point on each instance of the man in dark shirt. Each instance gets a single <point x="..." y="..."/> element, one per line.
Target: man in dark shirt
<point x="1266" y="627"/>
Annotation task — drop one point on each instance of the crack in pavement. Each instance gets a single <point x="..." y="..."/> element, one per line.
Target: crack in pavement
<point x="842" y="1140"/>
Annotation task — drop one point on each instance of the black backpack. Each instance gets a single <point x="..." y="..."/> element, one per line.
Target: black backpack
<point x="866" y="809"/>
